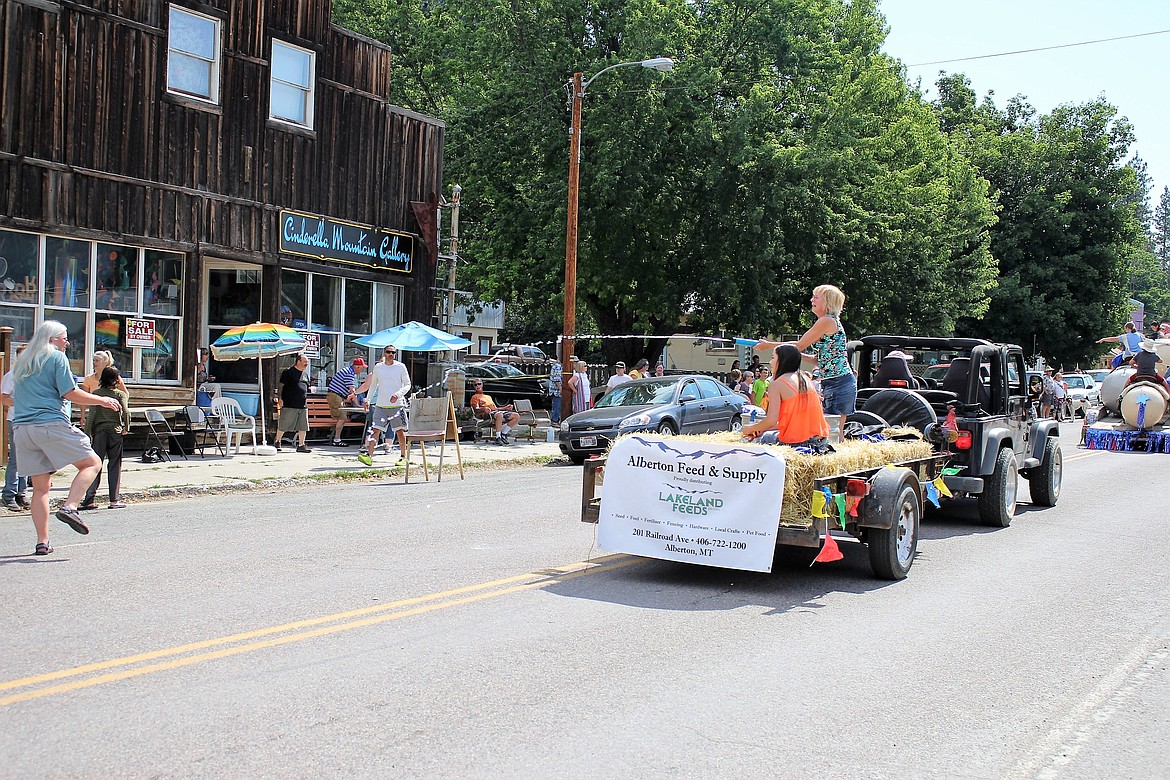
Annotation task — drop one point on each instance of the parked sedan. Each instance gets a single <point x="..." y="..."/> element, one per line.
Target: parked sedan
<point x="668" y="405"/>
<point x="505" y="383"/>
<point x="1083" y="393"/>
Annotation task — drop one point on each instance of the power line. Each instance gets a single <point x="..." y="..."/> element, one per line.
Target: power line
<point x="1042" y="48"/>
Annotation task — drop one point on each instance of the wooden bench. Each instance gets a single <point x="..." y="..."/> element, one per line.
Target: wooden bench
<point x="319" y="417"/>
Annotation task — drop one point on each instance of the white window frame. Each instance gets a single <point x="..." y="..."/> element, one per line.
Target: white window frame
<point x="215" y="62"/>
<point x="308" y="90"/>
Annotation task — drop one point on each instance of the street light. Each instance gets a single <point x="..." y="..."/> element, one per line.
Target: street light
<point x="578" y="86"/>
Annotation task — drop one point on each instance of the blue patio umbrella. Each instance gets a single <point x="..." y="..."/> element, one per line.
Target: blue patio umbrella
<point x="413" y="337"/>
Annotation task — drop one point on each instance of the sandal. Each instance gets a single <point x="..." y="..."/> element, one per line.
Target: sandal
<point x="116" y="505"/>
<point x="86" y="507"/>
<point x="43" y="549"/>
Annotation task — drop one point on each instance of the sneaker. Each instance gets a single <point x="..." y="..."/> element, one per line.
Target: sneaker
<point x="505" y="439"/>
<point x="277" y="445"/>
<point x="70" y="518"/>
<point x="303" y="448"/>
<point x="400" y="462"/>
<point x="365" y="459"/>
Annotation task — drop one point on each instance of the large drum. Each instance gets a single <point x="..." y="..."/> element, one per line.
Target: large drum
<point x="1111" y="387"/>
<point x="1144" y="404"/>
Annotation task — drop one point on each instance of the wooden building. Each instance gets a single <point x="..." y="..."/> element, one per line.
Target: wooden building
<point x="169" y="170"/>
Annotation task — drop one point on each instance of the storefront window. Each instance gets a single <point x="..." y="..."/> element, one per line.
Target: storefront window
<point x="18" y="267"/>
<point x="387" y="306"/>
<point x="158" y="363"/>
<point x="233" y="299"/>
<point x="162" y="283"/>
<point x="357" y="306"/>
<point x="117" y="278"/>
<point x="326" y="303"/>
<point x="294" y="297"/>
<point x="119" y="292"/>
<point x="67" y="272"/>
<point x="74" y="321"/>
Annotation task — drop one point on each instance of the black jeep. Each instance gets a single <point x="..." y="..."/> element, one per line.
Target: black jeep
<point x="993" y="436"/>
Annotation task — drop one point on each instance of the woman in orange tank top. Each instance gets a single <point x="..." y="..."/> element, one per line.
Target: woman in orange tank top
<point x="794" y="408"/>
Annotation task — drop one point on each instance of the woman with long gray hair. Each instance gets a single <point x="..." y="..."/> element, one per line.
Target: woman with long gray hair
<point x="42" y="431"/>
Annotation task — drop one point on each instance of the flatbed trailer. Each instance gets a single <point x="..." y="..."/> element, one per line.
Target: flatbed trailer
<point x="889" y="510"/>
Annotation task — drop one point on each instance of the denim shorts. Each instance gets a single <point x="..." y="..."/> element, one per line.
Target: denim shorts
<point x="840" y="394"/>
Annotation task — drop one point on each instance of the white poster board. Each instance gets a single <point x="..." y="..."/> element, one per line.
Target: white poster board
<point x="696" y="502"/>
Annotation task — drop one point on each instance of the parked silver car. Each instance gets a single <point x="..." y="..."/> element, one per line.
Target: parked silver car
<point x="1083" y="393"/>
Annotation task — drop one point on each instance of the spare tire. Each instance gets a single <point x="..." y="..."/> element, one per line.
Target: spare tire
<point x="901" y="407"/>
<point x="862" y="422"/>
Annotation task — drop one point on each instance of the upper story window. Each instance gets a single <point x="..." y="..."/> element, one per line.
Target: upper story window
<point x="193" y="55"/>
<point x="292" y="84"/>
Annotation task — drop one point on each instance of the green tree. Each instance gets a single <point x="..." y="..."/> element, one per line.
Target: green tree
<point x="1160" y="230"/>
<point x="784" y="151"/>
<point x="1068" y="223"/>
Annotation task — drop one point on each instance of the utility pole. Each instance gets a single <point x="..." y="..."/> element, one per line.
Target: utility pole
<point x="456" y="191"/>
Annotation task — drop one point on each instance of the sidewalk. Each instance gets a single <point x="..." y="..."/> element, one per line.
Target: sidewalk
<point x="215" y="473"/>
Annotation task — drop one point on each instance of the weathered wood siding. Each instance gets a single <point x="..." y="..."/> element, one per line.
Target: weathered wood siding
<point x="90" y="139"/>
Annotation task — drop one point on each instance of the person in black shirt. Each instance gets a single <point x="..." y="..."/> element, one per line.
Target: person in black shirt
<point x="294" y="392"/>
<point x="1146" y="362"/>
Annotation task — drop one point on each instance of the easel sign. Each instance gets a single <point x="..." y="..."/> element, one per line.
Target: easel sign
<point x="433" y="419"/>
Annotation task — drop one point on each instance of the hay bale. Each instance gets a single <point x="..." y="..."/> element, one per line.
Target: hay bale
<point x="802" y="471"/>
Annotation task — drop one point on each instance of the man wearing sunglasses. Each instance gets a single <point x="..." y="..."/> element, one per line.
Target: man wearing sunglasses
<point x="390" y="380"/>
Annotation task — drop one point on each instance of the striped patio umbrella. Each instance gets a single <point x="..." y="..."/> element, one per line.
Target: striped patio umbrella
<point x="258" y="340"/>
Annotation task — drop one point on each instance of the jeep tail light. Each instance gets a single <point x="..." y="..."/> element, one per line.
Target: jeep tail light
<point x="898" y="383"/>
<point x="963" y="442"/>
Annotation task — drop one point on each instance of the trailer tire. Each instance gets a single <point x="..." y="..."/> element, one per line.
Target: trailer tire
<point x="1044" y="480"/>
<point x="892" y="550"/>
<point x="997" y="502"/>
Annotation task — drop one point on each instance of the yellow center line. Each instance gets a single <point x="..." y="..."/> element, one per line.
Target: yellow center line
<point x="344" y="621"/>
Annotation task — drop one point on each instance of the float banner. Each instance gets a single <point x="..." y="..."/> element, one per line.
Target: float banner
<point x="696" y="502"/>
<point x="346" y="242"/>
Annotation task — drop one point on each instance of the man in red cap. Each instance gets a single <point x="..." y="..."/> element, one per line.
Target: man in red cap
<point x="342" y="392"/>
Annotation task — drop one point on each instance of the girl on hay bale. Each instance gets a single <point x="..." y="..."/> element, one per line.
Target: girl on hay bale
<point x="794" y="408"/>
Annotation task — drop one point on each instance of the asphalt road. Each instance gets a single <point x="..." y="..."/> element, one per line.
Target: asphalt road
<point x="454" y="630"/>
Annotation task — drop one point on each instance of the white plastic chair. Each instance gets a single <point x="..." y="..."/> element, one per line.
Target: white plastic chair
<point x="233" y="422"/>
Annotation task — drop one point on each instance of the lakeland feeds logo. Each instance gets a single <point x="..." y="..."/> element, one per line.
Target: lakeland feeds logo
<point x="690" y="502"/>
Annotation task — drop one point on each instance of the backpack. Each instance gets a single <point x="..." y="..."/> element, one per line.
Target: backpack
<point x="153" y="455"/>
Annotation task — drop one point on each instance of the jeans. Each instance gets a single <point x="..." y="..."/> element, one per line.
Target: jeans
<point x="108" y="446"/>
<point x="554" y="410"/>
<point x="840" y="394"/>
<point x="14" y="484"/>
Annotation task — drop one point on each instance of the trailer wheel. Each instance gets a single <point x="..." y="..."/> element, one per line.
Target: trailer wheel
<point x="997" y="502"/>
<point x="1044" y="480"/>
<point x="891" y="550"/>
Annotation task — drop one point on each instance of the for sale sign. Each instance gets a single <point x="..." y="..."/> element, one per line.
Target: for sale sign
<point x="691" y="501"/>
<point x="139" y="333"/>
<point x="312" y="343"/>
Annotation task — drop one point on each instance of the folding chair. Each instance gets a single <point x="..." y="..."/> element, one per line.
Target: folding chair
<point x="203" y="429"/>
<point x="523" y="407"/>
<point x="158" y="427"/>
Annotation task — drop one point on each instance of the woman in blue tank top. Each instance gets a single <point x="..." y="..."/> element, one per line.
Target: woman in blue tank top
<point x="826" y="341"/>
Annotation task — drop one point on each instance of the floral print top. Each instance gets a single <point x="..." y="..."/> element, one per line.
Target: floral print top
<point x="832" y="355"/>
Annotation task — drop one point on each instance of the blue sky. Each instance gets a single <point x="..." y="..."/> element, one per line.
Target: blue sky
<point x="1132" y="74"/>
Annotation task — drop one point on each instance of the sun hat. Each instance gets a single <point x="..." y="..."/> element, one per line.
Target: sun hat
<point x="897" y="353"/>
<point x="1149" y="346"/>
<point x="359" y="362"/>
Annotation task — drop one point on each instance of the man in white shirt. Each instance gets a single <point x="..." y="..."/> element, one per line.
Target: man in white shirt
<point x="620" y="378"/>
<point x="392" y="382"/>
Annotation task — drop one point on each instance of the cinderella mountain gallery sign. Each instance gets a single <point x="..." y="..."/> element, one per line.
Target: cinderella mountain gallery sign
<point x="345" y="242"/>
